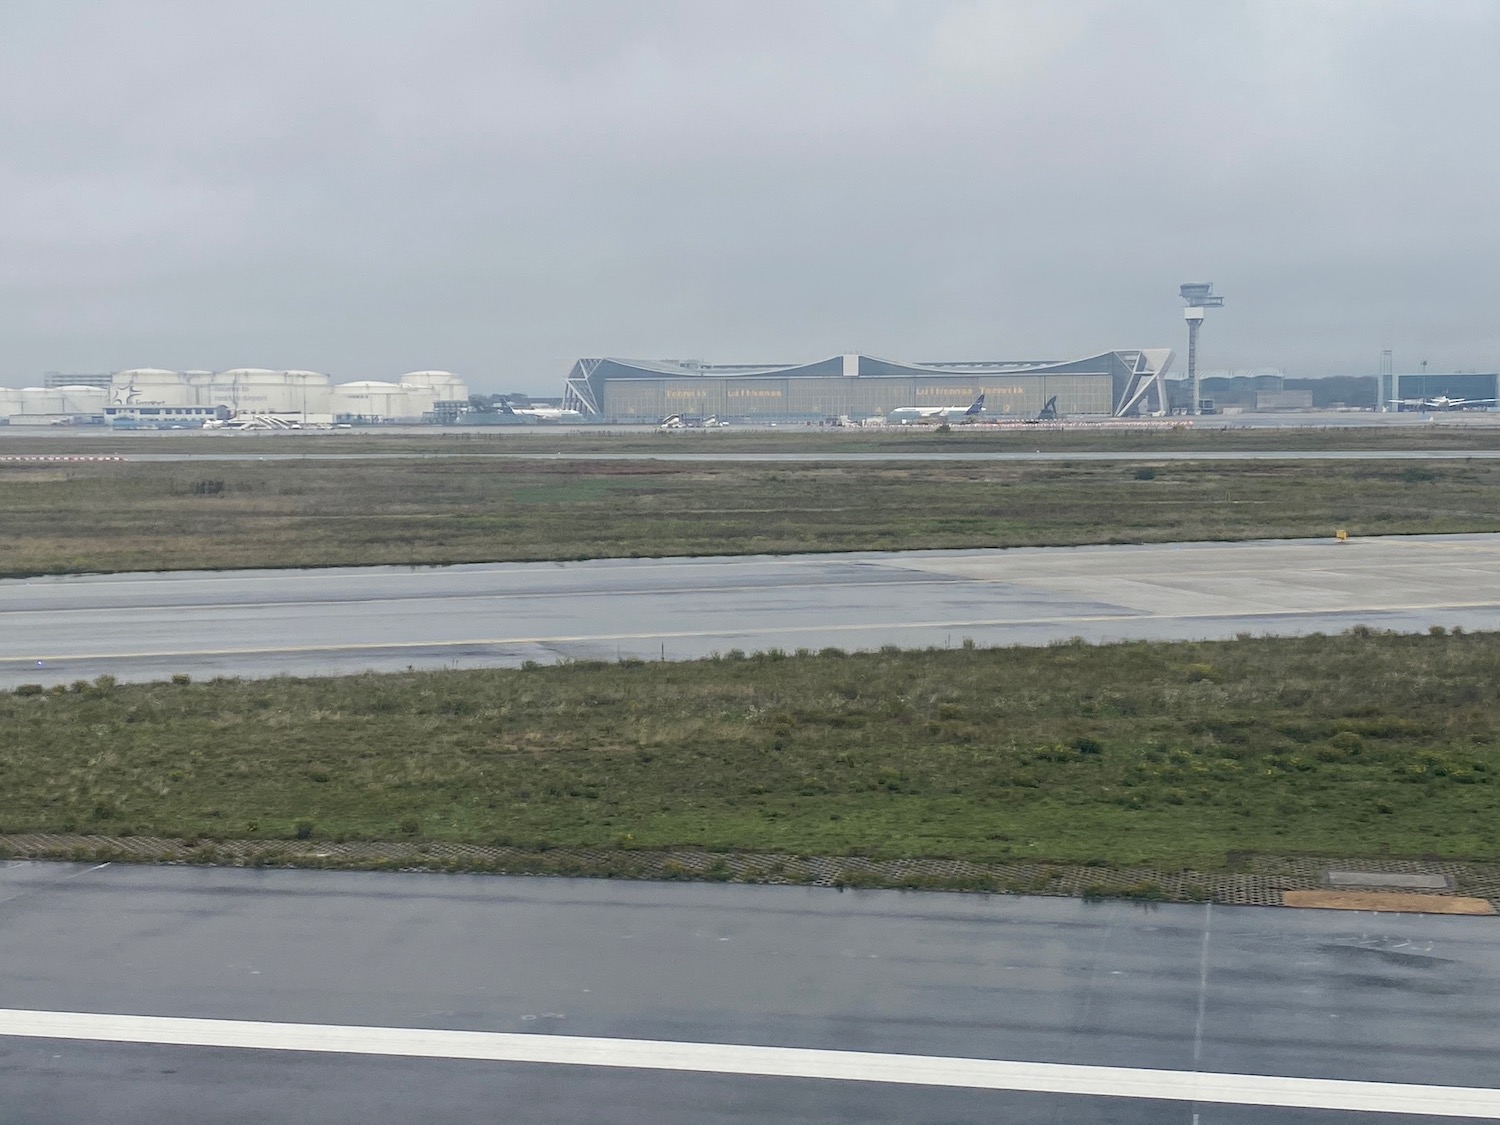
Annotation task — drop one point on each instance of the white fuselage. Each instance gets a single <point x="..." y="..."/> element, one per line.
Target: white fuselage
<point x="926" y="415"/>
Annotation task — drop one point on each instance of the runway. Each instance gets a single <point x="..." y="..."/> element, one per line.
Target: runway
<point x="174" y="994"/>
<point x="323" y="622"/>
<point x="558" y="452"/>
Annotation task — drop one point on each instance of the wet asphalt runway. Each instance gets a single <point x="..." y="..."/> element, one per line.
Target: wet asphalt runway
<point x="1239" y="990"/>
<point x="258" y="623"/>
<point x="560" y="453"/>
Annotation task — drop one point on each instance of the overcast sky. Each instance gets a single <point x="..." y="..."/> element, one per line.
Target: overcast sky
<point x="367" y="187"/>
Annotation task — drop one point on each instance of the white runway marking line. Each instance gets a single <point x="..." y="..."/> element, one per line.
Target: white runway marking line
<point x="772" y="1062"/>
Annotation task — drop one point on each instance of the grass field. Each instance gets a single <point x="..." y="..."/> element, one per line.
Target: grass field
<point x="1163" y="754"/>
<point x="93" y="517"/>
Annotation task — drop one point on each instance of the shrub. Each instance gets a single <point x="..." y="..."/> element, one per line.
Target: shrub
<point x="1196" y="673"/>
<point x="1145" y="474"/>
<point x="181" y="679"/>
<point x="30" y="689"/>
<point x="304" y="829"/>
<point x="1347" y="742"/>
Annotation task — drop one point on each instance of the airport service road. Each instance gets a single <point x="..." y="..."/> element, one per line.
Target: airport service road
<point x="320" y="622"/>
<point x="296" y="996"/>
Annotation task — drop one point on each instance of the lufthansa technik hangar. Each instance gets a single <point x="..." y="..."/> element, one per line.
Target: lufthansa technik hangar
<point x="860" y="387"/>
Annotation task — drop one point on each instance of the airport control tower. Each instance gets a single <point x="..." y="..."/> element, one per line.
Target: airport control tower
<point x="1199" y="295"/>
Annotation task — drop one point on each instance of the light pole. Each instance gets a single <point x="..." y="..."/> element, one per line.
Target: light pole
<point x="1199" y="295"/>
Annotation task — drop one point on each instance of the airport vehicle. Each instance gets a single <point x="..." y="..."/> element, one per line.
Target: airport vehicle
<point x="935" y="415"/>
<point x="1441" y="402"/>
<point x="678" y="422"/>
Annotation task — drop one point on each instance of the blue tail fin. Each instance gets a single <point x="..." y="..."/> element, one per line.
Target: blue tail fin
<point x="977" y="408"/>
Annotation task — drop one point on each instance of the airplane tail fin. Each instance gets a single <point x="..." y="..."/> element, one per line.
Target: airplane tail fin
<point x="1048" y="411"/>
<point x="977" y="408"/>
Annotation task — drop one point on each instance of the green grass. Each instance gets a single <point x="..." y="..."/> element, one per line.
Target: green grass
<point x="1158" y="754"/>
<point x="165" y="516"/>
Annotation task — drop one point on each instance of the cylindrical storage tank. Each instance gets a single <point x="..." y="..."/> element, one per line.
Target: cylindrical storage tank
<point x="370" y="400"/>
<point x="448" y="386"/>
<point x="41" y="400"/>
<point x="419" y="400"/>
<point x="255" y="390"/>
<point x="200" y="387"/>
<point x="79" y="399"/>
<point x="312" y="391"/>
<point x="246" y="390"/>
<point x="150" y="386"/>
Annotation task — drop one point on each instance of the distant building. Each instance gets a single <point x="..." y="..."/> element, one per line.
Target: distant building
<point x="1333" y="392"/>
<point x="863" y="387"/>
<point x="1458" y="384"/>
<point x="1267" y="401"/>
<point x="52" y="379"/>
<point x="144" y="394"/>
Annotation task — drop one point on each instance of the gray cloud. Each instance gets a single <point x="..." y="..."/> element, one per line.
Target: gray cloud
<point x="366" y="187"/>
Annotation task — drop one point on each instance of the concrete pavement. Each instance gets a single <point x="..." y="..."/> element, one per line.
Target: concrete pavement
<point x="320" y="622"/>
<point x="1070" y="987"/>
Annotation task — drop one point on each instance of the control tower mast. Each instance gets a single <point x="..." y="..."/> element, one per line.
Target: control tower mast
<point x="1199" y="295"/>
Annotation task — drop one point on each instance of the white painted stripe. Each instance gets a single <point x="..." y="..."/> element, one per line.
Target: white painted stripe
<point x="775" y="1062"/>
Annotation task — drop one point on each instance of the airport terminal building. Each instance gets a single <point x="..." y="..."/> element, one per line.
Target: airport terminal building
<point x="860" y="387"/>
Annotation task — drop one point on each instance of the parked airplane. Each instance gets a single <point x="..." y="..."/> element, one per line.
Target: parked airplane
<point x="1048" y="412"/>
<point x="542" y="413"/>
<point x="259" y="422"/>
<point x="935" y="415"/>
<point x="1441" y="402"/>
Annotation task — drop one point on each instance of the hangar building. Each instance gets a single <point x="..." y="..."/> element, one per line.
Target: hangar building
<point x="862" y="387"/>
